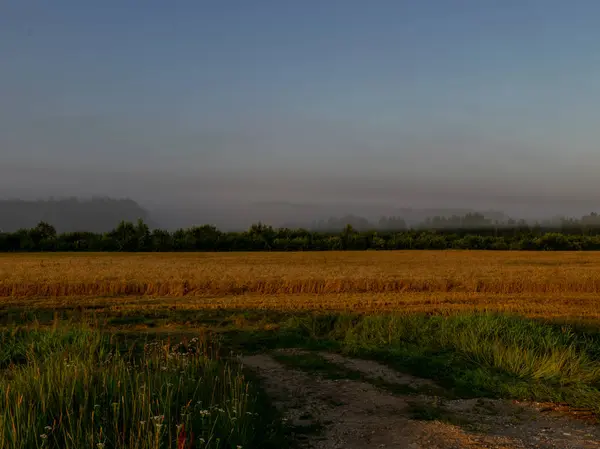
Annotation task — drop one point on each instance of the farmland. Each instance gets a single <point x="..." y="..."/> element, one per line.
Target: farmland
<point x="444" y="338"/>
<point x="532" y="284"/>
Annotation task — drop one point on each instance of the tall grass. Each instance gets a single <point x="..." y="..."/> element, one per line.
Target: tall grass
<point x="475" y="354"/>
<point x="72" y="388"/>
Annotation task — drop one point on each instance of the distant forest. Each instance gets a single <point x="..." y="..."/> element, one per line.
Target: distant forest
<point x="71" y="214"/>
<point x="132" y="237"/>
<point x="90" y="226"/>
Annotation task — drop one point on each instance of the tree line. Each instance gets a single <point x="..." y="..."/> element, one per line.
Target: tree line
<point x="132" y="237"/>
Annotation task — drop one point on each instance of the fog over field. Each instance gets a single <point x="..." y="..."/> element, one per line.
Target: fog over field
<point x="298" y="112"/>
<point x="236" y="201"/>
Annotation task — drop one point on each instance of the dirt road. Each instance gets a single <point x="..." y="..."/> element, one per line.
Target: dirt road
<point x="340" y="413"/>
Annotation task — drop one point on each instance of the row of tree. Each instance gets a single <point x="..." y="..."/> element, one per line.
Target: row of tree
<point x="128" y="236"/>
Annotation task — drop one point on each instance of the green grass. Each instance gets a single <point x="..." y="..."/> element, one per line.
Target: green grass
<point x="469" y="355"/>
<point x="72" y="387"/>
<point x="474" y="355"/>
<point x="316" y="364"/>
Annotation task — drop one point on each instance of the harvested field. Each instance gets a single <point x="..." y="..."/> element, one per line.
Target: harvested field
<point x="533" y="284"/>
<point x="297" y="273"/>
<point x="572" y="306"/>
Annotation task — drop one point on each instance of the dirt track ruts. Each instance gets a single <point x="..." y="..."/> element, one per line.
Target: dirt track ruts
<point x="356" y="415"/>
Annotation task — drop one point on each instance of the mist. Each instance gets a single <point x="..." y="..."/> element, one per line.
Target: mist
<point x="230" y="115"/>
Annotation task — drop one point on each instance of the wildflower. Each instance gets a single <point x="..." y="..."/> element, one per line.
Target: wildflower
<point x="238" y="447"/>
<point x="143" y="423"/>
<point x="182" y="437"/>
<point x="48" y="428"/>
<point x="158" y="426"/>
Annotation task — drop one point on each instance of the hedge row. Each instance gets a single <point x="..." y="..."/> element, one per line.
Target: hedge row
<point x="138" y="237"/>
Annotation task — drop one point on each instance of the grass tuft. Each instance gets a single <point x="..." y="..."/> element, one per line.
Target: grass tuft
<point x="70" y="388"/>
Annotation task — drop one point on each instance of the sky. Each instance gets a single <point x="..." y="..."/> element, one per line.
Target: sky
<point x="411" y="103"/>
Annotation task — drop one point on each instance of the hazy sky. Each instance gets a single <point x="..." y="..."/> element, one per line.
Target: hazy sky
<point x="439" y="101"/>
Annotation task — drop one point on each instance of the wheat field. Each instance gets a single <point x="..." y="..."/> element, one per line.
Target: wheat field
<point x="530" y="283"/>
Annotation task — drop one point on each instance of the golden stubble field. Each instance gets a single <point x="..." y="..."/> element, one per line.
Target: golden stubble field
<point x="530" y="283"/>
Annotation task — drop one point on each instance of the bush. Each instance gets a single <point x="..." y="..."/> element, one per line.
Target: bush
<point x="130" y="237"/>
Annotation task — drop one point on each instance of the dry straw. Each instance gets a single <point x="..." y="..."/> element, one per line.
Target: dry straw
<point x="189" y="275"/>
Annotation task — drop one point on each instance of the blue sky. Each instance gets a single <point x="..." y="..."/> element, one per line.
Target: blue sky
<point x="440" y="100"/>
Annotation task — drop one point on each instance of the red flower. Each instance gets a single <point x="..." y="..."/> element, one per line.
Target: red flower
<point x="181" y="438"/>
